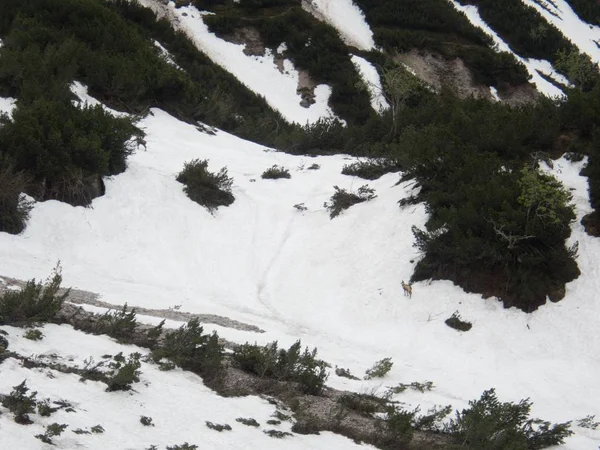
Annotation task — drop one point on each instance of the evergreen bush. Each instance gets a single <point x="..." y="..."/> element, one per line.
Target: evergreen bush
<point x="36" y="302"/>
<point x="208" y="189"/>
<point x="343" y="199"/>
<point x="125" y="372"/>
<point x="380" y="369"/>
<point x="191" y="349"/>
<point x="284" y="365"/>
<point x="491" y="424"/>
<point x="275" y="172"/>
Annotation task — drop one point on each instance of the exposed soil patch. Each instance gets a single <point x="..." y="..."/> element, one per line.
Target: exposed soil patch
<point x="250" y="38"/>
<point x="438" y="72"/>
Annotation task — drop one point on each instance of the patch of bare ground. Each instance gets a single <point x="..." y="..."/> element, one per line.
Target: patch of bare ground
<point x="437" y="71"/>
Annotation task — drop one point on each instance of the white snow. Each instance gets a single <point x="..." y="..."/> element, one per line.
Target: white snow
<point x="534" y="66"/>
<point x="333" y="283"/>
<point x="371" y="78"/>
<point x="7" y="105"/>
<point x="560" y="14"/>
<point x="259" y="73"/>
<point x="81" y="91"/>
<point x="494" y="93"/>
<point x="177" y="402"/>
<point x="165" y="54"/>
<point x="346" y="17"/>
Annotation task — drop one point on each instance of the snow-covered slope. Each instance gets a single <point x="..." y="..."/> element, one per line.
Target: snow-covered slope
<point x="534" y="66"/>
<point x="346" y="17"/>
<point x="373" y="81"/>
<point x="558" y="12"/>
<point x="297" y="274"/>
<point x="177" y="402"/>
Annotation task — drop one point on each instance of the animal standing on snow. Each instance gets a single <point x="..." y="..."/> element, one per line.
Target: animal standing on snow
<point x="407" y="289"/>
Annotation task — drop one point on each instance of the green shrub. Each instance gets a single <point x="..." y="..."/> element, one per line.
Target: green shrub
<point x="120" y="325"/>
<point x="36" y="302"/>
<point x="491" y="424"/>
<point x="14" y="207"/>
<point x="275" y="172"/>
<point x="184" y="446"/>
<point x="277" y="433"/>
<point x="44" y="409"/>
<point x="218" y="427"/>
<point x="456" y="322"/>
<point x="342" y="199"/>
<point x="33" y="335"/>
<point x="97" y="429"/>
<point x="206" y="188"/>
<point x="284" y="365"/>
<point x="146" y="421"/>
<point x="66" y="149"/>
<point x="20" y="404"/>
<point x="248" y="422"/>
<point x="364" y="404"/>
<point x="52" y="430"/>
<point x="371" y="169"/>
<point x="126" y="372"/>
<point x="380" y="369"/>
<point x="415" y="385"/>
<point x="345" y="373"/>
<point x="192" y="350"/>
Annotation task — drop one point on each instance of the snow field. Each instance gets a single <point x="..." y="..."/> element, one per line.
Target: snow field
<point x="177" y="401"/>
<point x="335" y="284"/>
<point x="347" y="18"/>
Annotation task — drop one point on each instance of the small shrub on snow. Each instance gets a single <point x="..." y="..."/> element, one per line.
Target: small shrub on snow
<point x="345" y="373"/>
<point x="208" y="189"/>
<point x="371" y="169"/>
<point x="81" y="431"/>
<point x="489" y="423"/>
<point x="249" y="422"/>
<point x="415" y="385"/>
<point x="191" y="349"/>
<point x="184" y="446"/>
<point x="283" y="365"/>
<point x="97" y="429"/>
<point x="146" y="421"/>
<point x="275" y="172"/>
<point x="218" y="427"/>
<point x="281" y="416"/>
<point x="120" y="325"/>
<point x="277" y="434"/>
<point x="379" y="369"/>
<point x="52" y="430"/>
<point x="273" y="422"/>
<point x="44" y="409"/>
<point x="33" y="335"/>
<point x="588" y="422"/>
<point x="36" y="302"/>
<point x="20" y="403"/>
<point x="126" y="372"/>
<point x="456" y="322"/>
<point x="314" y="166"/>
<point x="342" y="199"/>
